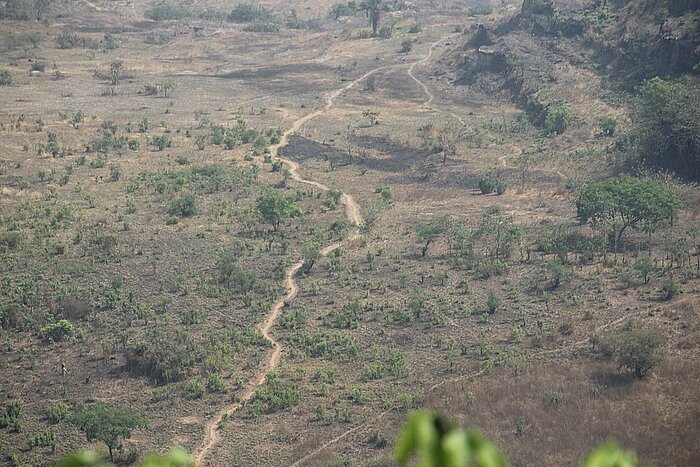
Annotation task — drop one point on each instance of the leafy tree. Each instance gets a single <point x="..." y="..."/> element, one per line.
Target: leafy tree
<point x="666" y="129"/>
<point x="498" y="233"/>
<point x="428" y="233"/>
<point x="439" y="442"/>
<point x="274" y="207"/>
<point x="644" y="266"/>
<point x="312" y="253"/>
<point x="107" y="423"/>
<point x="167" y="85"/>
<point x="557" y="270"/>
<point x="373" y="10"/>
<point x="638" y="351"/>
<point x="625" y="201"/>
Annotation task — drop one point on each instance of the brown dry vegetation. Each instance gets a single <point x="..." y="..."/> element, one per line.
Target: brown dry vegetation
<point x="107" y="253"/>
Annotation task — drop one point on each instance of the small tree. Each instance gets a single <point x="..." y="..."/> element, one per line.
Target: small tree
<point x="274" y="207"/>
<point x="167" y="85"/>
<point x="312" y="253"/>
<point x="493" y="302"/>
<point x="644" y="266"/>
<point x="107" y="423"/>
<point x="638" y="351"/>
<point x="625" y="201"/>
<point x="116" y="69"/>
<point x="428" y="233"/>
<point x="373" y="10"/>
<point x="557" y="270"/>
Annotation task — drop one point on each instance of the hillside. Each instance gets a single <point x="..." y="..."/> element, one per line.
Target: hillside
<point x="267" y="233"/>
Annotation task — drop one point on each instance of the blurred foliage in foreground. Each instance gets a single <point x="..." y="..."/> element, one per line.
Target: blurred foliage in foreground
<point x="435" y="440"/>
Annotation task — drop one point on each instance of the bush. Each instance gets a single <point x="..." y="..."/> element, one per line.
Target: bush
<point x="274" y="395"/>
<point x="45" y="439"/>
<point x="58" y="331"/>
<point x="608" y="126"/>
<point x="56" y="413"/>
<point x="558" y="119"/>
<point x="162" y="142"/>
<point x="406" y="45"/>
<point x="162" y="359"/>
<point x="249" y="13"/>
<point x="5" y="78"/>
<point x="195" y="389"/>
<point x="165" y="12"/>
<point x="38" y="66"/>
<point x="488" y="184"/>
<point x="670" y="289"/>
<point x="493" y="302"/>
<point x="638" y="351"/>
<point x="184" y="205"/>
<point x="73" y="41"/>
<point x="415" y="28"/>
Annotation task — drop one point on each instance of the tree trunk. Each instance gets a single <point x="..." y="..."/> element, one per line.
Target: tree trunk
<point x="424" y="250"/>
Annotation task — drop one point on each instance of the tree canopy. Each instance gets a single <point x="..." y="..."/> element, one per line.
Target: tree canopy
<point x="107" y="423"/>
<point x="625" y="201"/>
<point x="638" y="351"/>
<point x="274" y="207"/>
<point x="666" y="128"/>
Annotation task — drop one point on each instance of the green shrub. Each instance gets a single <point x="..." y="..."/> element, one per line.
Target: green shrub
<point x="56" y="412"/>
<point x="162" y="142"/>
<point x="165" y="12"/>
<point x="670" y="289"/>
<point x="275" y="395"/>
<point x="493" y="302"/>
<point x="5" y="78"/>
<point x="45" y="439"/>
<point x="59" y="331"/>
<point x="69" y="40"/>
<point x="184" y="205"/>
<point x="607" y="126"/>
<point x="195" y="388"/>
<point x="558" y="119"/>
<point x="216" y="384"/>
<point x="249" y="13"/>
<point x="487" y="184"/>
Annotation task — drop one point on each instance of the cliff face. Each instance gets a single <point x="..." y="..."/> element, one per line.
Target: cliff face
<point x="627" y="40"/>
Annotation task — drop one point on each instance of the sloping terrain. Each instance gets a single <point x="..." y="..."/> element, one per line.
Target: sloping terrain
<point x="274" y="238"/>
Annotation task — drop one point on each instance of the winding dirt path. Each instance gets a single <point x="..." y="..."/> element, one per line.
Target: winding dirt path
<point x="212" y="434"/>
<point x="515" y="151"/>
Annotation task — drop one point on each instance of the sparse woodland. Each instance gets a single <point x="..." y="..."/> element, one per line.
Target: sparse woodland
<point x="269" y="233"/>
